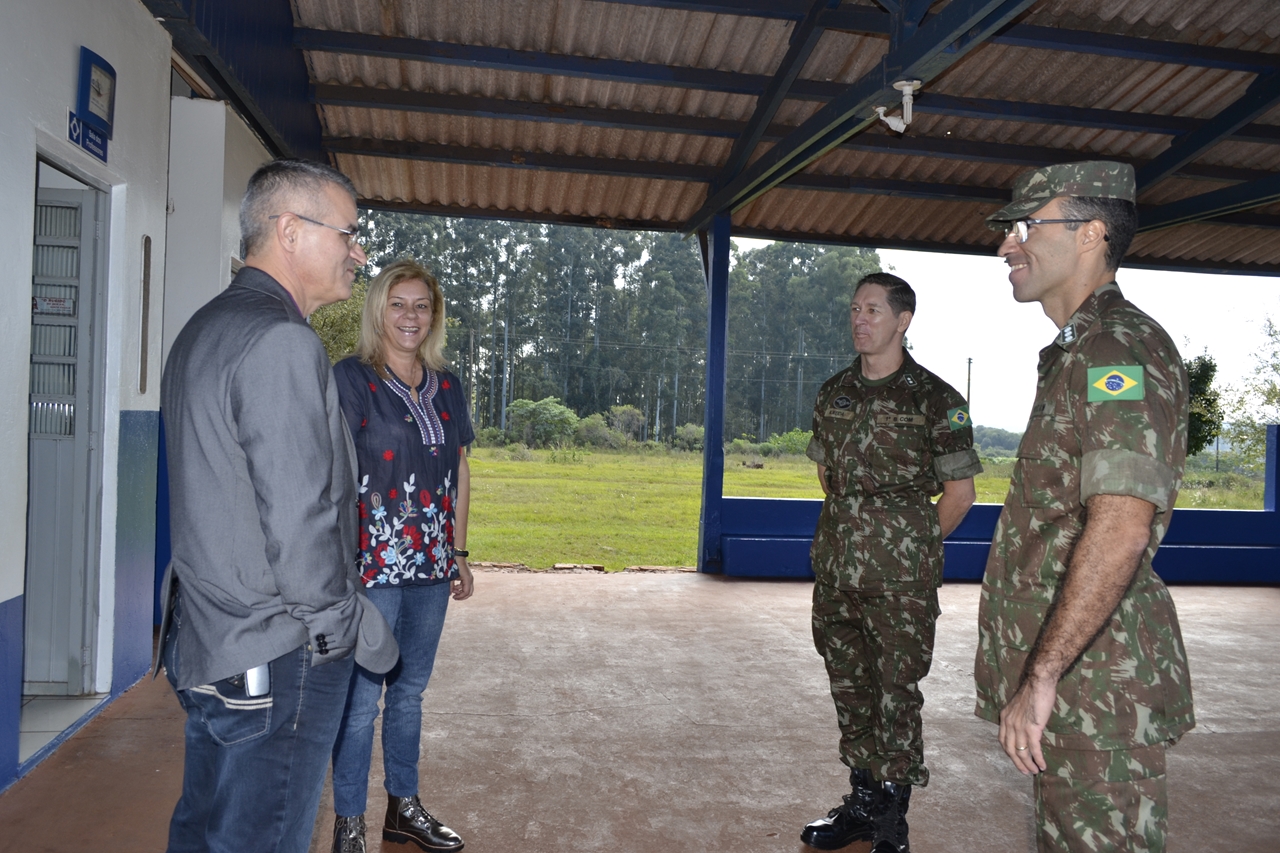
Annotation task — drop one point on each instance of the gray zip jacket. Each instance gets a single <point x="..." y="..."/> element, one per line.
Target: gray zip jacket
<point x="262" y="493"/>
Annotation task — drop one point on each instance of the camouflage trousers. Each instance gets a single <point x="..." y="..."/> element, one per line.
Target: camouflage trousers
<point x="1099" y="801"/>
<point x="877" y="647"/>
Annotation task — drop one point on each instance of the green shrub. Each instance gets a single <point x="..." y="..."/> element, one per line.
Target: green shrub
<point x="627" y="420"/>
<point x="545" y="423"/>
<point x="592" y="431"/>
<point x="741" y="445"/>
<point x="689" y="437"/>
<point x="519" y="453"/>
<point x="766" y="449"/>
<point x="795" y="441"/>
<point x="490" y="437"/>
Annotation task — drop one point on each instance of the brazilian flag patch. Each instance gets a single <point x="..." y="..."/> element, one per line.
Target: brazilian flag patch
<point x="958" y="418"/>
<point x="1118" y="382"/>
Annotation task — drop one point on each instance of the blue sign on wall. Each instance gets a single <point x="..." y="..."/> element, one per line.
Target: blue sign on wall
<point x="86" y="137"/>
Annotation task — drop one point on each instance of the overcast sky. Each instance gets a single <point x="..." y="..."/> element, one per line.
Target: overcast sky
<point x="965" y="310"/>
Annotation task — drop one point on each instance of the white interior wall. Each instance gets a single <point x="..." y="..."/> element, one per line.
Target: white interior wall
<point x="39" y="70"/>
<point x="211" y="155"/>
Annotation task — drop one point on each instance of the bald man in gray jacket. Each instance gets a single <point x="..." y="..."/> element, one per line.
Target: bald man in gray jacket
<point x="266" y="609"/>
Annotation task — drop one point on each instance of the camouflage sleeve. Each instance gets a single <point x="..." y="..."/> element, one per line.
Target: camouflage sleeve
<point x="815" y="450"/>
<point x="953" y="455"/>
<point x="1134" y="391"/>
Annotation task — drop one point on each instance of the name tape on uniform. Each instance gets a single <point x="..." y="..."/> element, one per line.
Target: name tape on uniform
<point x="900" y="420"/>
<point x="1116" y="382"/>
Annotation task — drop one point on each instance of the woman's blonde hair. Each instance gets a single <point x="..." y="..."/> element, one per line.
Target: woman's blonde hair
<point x="371" y="349"/>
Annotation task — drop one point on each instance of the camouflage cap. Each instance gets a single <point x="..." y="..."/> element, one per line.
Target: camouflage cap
<point x="1036" y="188"/>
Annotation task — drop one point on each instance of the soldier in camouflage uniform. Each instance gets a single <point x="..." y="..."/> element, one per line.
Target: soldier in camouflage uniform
<point x="1080" y="659"/>
<point x="887" y="436"/>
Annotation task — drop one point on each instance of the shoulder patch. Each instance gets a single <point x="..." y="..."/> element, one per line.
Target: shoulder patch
<point x="1068" y="333"/>
<point x="958" y="418"/>
<point x="1117" y="382"/>
<point x="909" y="380"/>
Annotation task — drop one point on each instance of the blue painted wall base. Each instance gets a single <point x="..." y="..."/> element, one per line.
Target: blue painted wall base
<point x="11" y="627"/>
<point x="135" y="546"/>
<point x="770" y="538"/>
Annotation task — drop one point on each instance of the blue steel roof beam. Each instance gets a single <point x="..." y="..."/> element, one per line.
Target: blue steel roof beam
<point x="986" y="109"/>
<point x="501" y="108"/>
<point x="987" y="249"/>
<point x="939" y="43"/>
<point x="804" y="38"/>
<point x="791" y="10"/>
<point x="1227" y="200"/>
<point x="642" y="73"/>
<point x="531" y="61"/>
<point x="243" y="50"/>
<point x="1263" y="94"/>
<point x="649" y="170"/>
<point x="361" y="97"/>
<point x="869" y="20"/>
<point x="467" y="155"/>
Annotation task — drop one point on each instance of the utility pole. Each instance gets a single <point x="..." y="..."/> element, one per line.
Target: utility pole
<point x="657" y="413"/>
<point x="675" y="399"/>
<point x="968" y="383"/>
<point x="471" y="378"/>
<point x="760" y="434"/>
<point x="799" y="377"/>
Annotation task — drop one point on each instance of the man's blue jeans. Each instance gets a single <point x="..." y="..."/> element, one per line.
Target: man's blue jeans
<point x="416" y="616"/>
<point x="254" y="767"/>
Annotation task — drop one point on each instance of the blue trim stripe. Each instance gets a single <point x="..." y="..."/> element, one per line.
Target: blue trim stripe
<point x="11" y="620"/>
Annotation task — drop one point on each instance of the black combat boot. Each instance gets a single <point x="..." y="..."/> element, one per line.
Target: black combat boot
<point x="891" y="820"/>
<point x="849" y="822"/>
<point x="407" y="821"/>
<point x="348" y="834"/>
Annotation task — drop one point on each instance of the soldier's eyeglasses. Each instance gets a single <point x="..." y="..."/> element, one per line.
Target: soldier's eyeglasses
<point x="353" y="235"/>
<point x="1022" y="227"/>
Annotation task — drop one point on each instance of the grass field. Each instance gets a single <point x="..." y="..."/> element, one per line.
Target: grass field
<point x="623" y="509"/>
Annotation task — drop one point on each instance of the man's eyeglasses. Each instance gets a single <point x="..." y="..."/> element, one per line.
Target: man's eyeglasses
<point x="1022" y="227"/>
<point x="353" y="236"/>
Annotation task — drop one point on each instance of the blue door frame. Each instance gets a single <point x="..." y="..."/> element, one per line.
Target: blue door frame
<point x="770" y="537"/>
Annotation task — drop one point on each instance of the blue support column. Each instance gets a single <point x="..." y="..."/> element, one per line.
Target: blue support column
<point x="1272" y="483"/>
<point x="710" y="522"/>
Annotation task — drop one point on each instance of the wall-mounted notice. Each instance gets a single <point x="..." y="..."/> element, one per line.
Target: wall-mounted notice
<point x="63" y="305"/>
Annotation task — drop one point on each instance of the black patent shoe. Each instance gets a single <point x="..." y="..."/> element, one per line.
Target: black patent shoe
<point x="849" y="822"/>
<point x="891" y="820"/>
<point x="348" y="834"/>
<point x="407" y="821"/>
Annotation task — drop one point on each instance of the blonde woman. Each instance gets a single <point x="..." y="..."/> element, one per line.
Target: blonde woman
<point x="409" y="419"/>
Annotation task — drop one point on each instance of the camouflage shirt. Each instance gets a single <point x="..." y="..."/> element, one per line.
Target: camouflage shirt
<point x="887" y="446"/>
<point x="1110" y="417"/>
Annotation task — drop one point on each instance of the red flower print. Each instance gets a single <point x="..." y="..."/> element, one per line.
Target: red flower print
<point x="446" y="503"/>
<point x="364" y="540"/>
<point x="364" y="422"/>
<point x="373" y="388"/>
<point x="444" y="383"/>
<point x="444" y="416"/>
<point x="364" y="511"/>
<point x="388" y="455"/>
<point x="414" y="535"/>
<point x="392" y="494"/>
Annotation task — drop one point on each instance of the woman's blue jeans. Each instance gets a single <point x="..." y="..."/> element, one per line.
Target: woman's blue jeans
<point x="416" y="616"/>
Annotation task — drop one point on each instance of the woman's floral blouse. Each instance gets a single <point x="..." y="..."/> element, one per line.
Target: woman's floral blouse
<point x="407" y="454"/>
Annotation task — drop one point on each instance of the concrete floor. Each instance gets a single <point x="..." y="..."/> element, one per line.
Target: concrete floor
<point x="657" y="712"/>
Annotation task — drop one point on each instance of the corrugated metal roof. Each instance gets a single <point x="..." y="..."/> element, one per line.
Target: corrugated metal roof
<point x="579" y="138"/>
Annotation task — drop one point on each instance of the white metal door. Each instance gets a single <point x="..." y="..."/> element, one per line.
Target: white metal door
<point x="62" y="505"/>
